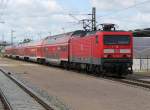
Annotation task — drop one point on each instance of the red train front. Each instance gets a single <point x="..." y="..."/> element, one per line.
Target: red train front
<point x="117" y="54"/>
<point x="103" y="52"/>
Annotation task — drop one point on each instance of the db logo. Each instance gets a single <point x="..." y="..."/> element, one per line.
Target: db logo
<point x="117" y="46"/>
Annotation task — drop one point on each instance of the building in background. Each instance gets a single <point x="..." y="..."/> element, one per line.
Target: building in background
<point x="141" y="50"/>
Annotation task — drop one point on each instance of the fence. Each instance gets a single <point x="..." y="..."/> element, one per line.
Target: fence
<point x="141" y="64"/>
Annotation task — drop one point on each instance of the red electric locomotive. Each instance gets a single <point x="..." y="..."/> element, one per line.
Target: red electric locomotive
<point x="103" y="51"/>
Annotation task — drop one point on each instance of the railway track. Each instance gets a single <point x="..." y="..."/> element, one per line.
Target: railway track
<point x="135" y="82"/>
<point x="15" y="95"/>
<point x="1" y="105"/>
<point x="131" y="82"/>
<point x="138" y="80"/>
<point x="4" y="104"/>
<point x="127" y="80"/>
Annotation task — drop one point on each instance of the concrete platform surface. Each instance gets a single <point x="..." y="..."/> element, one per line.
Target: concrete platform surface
<point x="17" y="98"/>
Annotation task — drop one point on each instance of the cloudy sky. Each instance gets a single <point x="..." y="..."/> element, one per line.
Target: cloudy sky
<point x="38" y="18"/>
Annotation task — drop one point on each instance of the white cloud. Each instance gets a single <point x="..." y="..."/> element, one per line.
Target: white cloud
<point x="30" y="29"/>
<point x="48" y="15"/>
<point x="51" y="5"/>
<point x="105" y="5"/>
<point x="22" y="2"/>
<point x="31" y="16"/>
<point x="116" y="11"/>
<point x="125" y="3"/>
<point x="61" y="18"/>
<point x="141" y="17"/>
<point x="32" y="7"/>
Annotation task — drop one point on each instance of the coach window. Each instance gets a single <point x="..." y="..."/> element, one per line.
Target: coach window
<point x="50" y="40"/>
<point x="96" y="39"/>
<point x="63" y="48"/>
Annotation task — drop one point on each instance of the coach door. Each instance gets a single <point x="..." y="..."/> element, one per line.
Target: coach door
<point x="39" y="52"/>
<point x="46" y="52"/>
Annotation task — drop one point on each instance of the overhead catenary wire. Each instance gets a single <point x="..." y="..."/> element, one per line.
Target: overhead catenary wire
<point x="113" y="14"/>
<point x="124" y="9"/>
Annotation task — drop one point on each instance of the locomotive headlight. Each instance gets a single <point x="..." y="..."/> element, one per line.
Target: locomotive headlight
<point x="125" y="50"/>
<point x="109" y="51"/>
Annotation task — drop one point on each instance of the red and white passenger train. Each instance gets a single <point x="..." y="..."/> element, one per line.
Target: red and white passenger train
<point x="105" y="51"/>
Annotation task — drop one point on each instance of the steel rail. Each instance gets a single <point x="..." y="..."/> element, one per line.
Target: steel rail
<point x="139" y="80"/>
<point x="5" y="102"/>
<point x="29" y="91"/>
<point x="133" y="82"/>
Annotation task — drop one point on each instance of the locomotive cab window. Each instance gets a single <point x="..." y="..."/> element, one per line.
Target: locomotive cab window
<point x="96" y="38"/>
<point x="116" y="39"/>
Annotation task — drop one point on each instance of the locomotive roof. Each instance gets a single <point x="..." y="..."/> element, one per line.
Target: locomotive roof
<point x="80" y="33"/>
<point x="73" y="33"/>
<point x="77" y="33"/>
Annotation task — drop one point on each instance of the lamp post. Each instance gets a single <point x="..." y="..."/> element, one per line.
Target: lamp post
<point x="12" y="36"/>
<point x="2" y="22"/>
